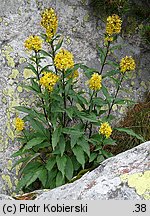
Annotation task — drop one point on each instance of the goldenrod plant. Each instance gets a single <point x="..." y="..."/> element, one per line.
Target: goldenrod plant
<point x="65" y="133"/>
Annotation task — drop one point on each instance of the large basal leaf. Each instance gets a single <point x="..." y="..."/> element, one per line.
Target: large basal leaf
<point x="56" y="136"/>
<point x="50" y="163"/>
<point x="131" y="133"/>
<point x="59" y="179"/>
<point x="79" y="153"/>
<point x="84" y="145"/>
<point x="69" y="169"/>
<point x="43" y="176"/>
<point x="35" y="175"/>
<point x="62" y="144"/>
<point x="34" y="142"/>
<point x="61" y="163"/>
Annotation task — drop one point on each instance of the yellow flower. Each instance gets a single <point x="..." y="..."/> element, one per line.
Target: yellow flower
<point x="50" y="22"/>
<point x="19" y="124"/>
<point x="64" y="60"/>
<point x="110" y="39"/>
<point x="113" y="25"/>
<point x="33" y="43"/>
<point x="48" y="80"/>
<point x="74" y="75"/>
<point x="105" y="129"/>
<point x="95" y="83"/>
<point x="127" y="64"/>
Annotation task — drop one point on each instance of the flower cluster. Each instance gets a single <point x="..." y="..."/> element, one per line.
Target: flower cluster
<point x="105" y="129"/>
<point x="95" y="83"/>
<point x="74" y="75"/>
<point x="48" y="80"/>
<point x="33" y="43"/>
<point x="64" y="60"/>
<point x="50" y="22"/>
<point x="127" y="64"/>
<point x="109" y="39"/>
<point x="113" y="25"/>
<point x="19" y="124"/>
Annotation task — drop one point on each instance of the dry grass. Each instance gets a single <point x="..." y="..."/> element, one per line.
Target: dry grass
<point x="137" y="118"/>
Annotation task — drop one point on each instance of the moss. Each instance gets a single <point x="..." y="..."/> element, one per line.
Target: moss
<point x="9" y="165"/>
<point x="139" y="181"/>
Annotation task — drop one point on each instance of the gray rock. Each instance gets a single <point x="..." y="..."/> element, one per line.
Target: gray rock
<point x="5" y="197"/>
<point x="123" y="177"/>
<point x="18" y="20"/>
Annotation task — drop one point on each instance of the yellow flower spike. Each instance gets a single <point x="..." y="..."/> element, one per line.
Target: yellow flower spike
<point x="127" y="64"/>
<point x="64" y="60"/>
<point x="48" y="80"/>
<point x="113" y="25"/>
<point x="33" y="43"/>
<point x="50" y="22"/>
<point x="105" y="129"/>
<point x="19" y="124"/>
<point x="95" y="83"/>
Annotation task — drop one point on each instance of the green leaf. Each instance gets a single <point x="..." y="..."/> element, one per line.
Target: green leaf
<point x="109" y="141"/>
<point x="62" y="144"/>
<point x="46" y="68"/>
<point x="79" y="153"/>
<point x="33" y="113"/>
<point x="69" y="169"/>
<point x="36" y="125"/>
<point x="105" y="92"/>
<point x="31" y="67"/>
<point x="59" y="179"/>
<point x="92" y="156"/>
<point x="23" y="181"/>
<point x="74" y="139"/>
<point x="43" y="176"/>
<point x="106" y="154"/>
<point x="84" y="145"/>
<point x="43" y="52"/>
<point x="88" y="117"/>
<point x="100" y="159"/>
<point x="112" y="63"/>
<point x="30" y="167"/>
<point x="69" y="112"/>
<point x="56" y="136"/>
<point x="101" y="53"/>
<point x="61" y="163"/>
<point x="99" y="101"/>
<point x="59" y="44"/>
<point x="35" y="86"/>
<point x="119" y="101"/>
<point x="50" y="163"/>
<point x="35" y="175"/>
<point x="131" y="133"/>
<point x="21" y="160"/>
<point x="72" y="131"/>
<point x="34" y="142"/>
<point x="19" y="153"/>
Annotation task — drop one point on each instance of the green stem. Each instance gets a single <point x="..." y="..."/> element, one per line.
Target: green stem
<point x="107" y="50"/>
<point x="90" y="107"/>
<point x="64" y="98"/>
<point x="42" y="100"/>
<point x="118" y="88"/>
<point x="53" y="56"/>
